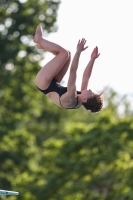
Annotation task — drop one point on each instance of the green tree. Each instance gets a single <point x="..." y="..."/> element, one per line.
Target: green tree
<point x="19" y="59"/>
<point x="20" y="102"/>
<point x="120" y="104"/>
<point x="92" y="161"/>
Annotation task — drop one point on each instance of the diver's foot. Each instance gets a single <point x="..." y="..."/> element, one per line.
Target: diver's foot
<point x="38" y="34"/>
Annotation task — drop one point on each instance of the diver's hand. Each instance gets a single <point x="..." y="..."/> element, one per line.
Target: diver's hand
<point x="95" y="53"/>
<point x="81" y="45"/>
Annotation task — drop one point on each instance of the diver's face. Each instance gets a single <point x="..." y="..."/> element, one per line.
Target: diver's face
<point x="86" y="94"/>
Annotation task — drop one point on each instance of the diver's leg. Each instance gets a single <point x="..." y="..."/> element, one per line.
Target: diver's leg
<point x="53" y="68"/>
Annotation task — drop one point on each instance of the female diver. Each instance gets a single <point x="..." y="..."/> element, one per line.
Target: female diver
<point x="49" y="77"/>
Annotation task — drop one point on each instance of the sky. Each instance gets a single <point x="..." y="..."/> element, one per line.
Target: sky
<point x="106" y="24"/>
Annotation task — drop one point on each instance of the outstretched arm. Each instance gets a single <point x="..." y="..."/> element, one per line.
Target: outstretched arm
<point x="71" y="86"/>
<point x="88" y="69"/>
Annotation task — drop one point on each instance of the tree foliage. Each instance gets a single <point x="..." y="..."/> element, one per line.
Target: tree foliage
<point x="47" y="152"/>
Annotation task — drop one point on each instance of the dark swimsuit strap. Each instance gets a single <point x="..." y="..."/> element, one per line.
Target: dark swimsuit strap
<point x="69" y="108"/>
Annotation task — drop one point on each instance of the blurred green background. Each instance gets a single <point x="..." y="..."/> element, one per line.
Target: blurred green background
<point x="46" y="152"/>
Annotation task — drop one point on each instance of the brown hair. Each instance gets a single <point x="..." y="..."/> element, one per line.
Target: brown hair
<point x="94" y="104"/>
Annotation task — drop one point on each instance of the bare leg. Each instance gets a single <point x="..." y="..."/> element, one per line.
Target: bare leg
<point x="57" y="67"/>
<point x="63" y="71"/>
<point x="45" y="44"/>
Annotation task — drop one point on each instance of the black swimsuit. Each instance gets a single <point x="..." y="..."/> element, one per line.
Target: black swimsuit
<point x="56" y="87"/>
